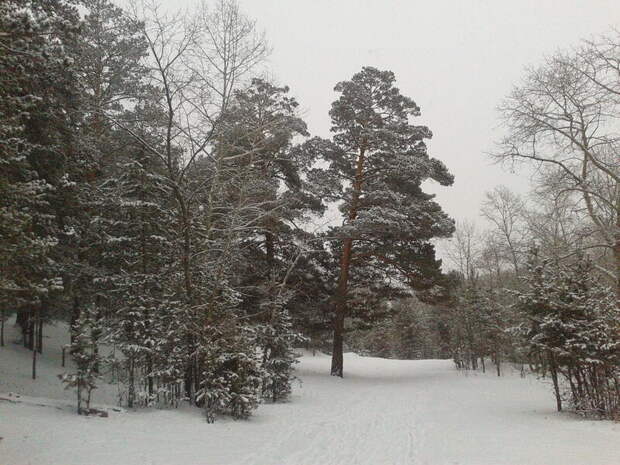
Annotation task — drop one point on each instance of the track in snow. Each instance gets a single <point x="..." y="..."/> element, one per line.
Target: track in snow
<point x="384" y="412"/>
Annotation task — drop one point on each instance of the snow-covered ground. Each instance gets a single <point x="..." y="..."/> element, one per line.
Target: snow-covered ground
<point x="384" y="412"/>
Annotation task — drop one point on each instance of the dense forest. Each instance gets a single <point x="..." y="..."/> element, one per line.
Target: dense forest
<point x="164" y="198"/>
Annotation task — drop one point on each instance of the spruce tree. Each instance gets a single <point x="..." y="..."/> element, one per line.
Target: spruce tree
<point x="135" y="258"/>
<point x="258" y="138"/>
<point x="85" y="355"/>
<point x="39" y="155"/>
<point x="571" y="326"/>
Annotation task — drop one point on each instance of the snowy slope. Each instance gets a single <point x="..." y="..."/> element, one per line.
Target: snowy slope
<point x="385" y="412"/>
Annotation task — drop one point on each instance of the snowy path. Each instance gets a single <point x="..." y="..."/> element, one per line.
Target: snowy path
<point x="385" y="412"/>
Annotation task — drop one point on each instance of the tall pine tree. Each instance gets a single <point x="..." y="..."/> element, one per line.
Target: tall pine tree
<point x="381" y="160"/>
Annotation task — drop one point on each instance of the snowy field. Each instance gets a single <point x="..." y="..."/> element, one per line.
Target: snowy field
<point x="385" y="412"/>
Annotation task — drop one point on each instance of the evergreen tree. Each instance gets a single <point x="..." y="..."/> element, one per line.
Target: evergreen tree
<point x="40" y="157"/>
<point x="111" y="76"/>
<point x="136" y="258"/>
<point x="86" y="357"/>
<point x="277" y="339"/>
<point x="381" y="159"/>
<point x="572" y="328"/>
<point x="259" y="130"/>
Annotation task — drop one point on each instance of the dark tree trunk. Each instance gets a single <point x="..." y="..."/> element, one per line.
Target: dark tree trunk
<point x="35" y="325"/>
<point x="131" y="389"/>
<point x="189" y="376"/>
<point x="30" y="332"/>
<point x="96" y="335"/>
<point x="337" y="350"/>
<point x="343" y="279"/>
<point x="22" y="322"/>
<point x="40" y="335"/>
<point x="341" y="306"/>
<point x="196" y="370"/>
<point x="554" y="377"/>
<point x="75" y="316"/>
<point x="2" y="328"/>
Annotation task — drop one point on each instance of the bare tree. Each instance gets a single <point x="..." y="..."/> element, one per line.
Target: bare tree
<point x="504" y="210"/>
<point x="563" y="118"/>
<point x="492" y="258"/>
<point x="196" y="61"/>
<point x="464" y="249"/>
<point x="557" y="222"/>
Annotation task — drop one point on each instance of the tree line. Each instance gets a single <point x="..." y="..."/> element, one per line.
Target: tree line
<point x="165" y="199"/>
<point x="162" y="196"/>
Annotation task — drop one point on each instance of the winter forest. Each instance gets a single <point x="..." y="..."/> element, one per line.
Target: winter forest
<point x="176" y="243"/>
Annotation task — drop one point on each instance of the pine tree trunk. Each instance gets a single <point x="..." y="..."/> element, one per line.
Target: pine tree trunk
<point x="341" y="305"/>
<point x="345" y="266"/>
<point x="149" y="376"/>
<point x="131" y="389"/>
<point x="79" y="398"/>
<point x="95" y="335"/>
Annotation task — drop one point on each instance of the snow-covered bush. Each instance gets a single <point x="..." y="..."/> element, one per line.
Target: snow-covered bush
<point x="277" y="339"/>
<point x="573" y="329"/>
<point x="86" y="357"/>
<point x="231" y="377"/>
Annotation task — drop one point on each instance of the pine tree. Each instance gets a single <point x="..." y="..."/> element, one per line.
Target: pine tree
<point x="39" y="112"/>
<point x="259" y="130"/>
<point x="226" y="350"/>
<point x="111" y="79"/>
<point x="381" y="159"/>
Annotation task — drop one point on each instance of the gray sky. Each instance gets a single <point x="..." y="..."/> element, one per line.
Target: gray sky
<point x="457" y="59"/>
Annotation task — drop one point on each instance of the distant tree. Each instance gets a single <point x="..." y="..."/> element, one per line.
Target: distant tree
<point x="506" y="212"/>
<point x="464" y="250"/>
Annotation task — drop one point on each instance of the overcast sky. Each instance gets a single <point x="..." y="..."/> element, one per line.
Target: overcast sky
<point x="457" y="59"/>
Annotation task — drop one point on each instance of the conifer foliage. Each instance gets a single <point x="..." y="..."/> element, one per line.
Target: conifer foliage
<point x="380" y="160"/>
<point x="163" y="201"/>
<point x="573" y="330"/>
<point x="85" y="354"/>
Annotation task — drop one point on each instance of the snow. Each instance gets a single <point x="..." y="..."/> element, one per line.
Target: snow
<point x="388" y="412"/>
